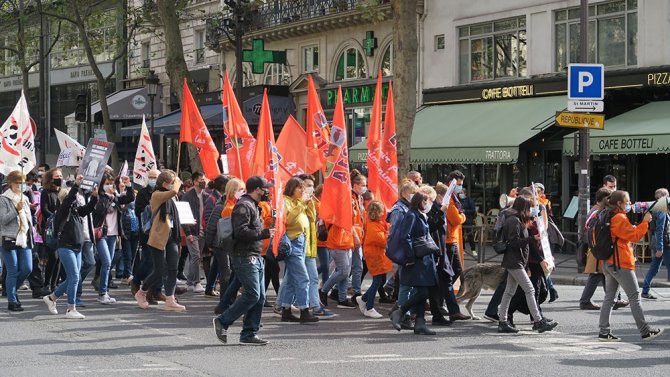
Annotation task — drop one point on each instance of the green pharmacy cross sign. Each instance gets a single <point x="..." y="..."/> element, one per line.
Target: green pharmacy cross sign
<point x="369" y="43"/>
<point x="258" y="56"/>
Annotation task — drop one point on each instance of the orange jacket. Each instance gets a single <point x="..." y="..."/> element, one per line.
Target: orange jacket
<point x="228" y="208"/>
<point x="343" y="239"/>
<point x="623" y="233"/>
<point x="455" y="220"/>
<point x="359" y="215"/>
<point x="266" y="215"/>
<point x="374" y="247"/>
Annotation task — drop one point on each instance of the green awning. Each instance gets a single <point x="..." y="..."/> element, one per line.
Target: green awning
<point x="481" y="132"/>
<point x="643" y="130"/>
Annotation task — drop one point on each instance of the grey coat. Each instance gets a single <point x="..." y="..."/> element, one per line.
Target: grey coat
<point x="9" y="219"/>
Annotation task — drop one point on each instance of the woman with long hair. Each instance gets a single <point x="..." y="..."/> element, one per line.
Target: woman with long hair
<point x="52" y="181"/>
<point x="515" y="261"/>
<point x="17" y="237"/>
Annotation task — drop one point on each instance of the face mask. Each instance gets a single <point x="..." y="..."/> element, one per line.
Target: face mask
<point x="363" y="190"/>
<point x="629" y="207"/>
<point x="458" y="189"/>
<point x="461" y="195"/>
<point x="309" y="191"/>
<point x="238" y="194"/>
<point x="108" y="188"/>
<point x="409" y="199"/>
<point x="534" y="211"/>
<point x="22" y="187"/>
<point x="170" y="187"/>
<point x="266" y="196"/>
<point x="151" y="183"/>
<point x="57" y="182"/>
<point x="202" y="185"/>
<point x="426" y="207"/>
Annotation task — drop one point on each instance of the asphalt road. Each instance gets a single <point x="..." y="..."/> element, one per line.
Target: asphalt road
<point x="125" y="341"/>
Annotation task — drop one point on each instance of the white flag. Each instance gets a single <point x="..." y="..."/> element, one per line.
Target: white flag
<point x="18" y="141"/>
<point x="145" y="159"/>
<point x="124" y="169"/>
<point x="71" y="152"/>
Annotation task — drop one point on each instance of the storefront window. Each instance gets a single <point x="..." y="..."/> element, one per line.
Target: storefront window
<point x="358" y="122"/>
<point x="612" y="34"/>
<point x="493" y="50"/>
<point x="387" y="61"/>
<point x="351" y="65"/>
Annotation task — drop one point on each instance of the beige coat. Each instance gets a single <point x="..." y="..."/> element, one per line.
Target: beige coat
<point x="160" y="230"/>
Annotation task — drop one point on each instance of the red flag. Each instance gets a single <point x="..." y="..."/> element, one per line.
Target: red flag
<point x="389" y="156"/>
<point x="375" y="141"/>
<point x="194" y="131"/>
<point x="240" y="143"/>
<point x="266" y="163"/>
<point x="291" y="146"/>
<point x="336" y="197"/>
<point x="317" y="128"/>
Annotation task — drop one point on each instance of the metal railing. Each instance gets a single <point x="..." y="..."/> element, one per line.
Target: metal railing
<point x="199" y="55"/>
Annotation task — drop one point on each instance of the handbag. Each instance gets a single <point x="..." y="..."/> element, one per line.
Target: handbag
<point x="322" y="231"/>
<point x="424" y="245"/>
<point x="99" y="232"/>
<point x="282" y="250"/>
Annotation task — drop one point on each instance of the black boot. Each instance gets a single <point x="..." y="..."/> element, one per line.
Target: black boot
<point x="287" y="316"/>
<point x="504" y="327"/>
<point x="420" y="327"/>
<point x="553" y="295"/>
<point x="306" y="316"/>
<point x="14" y="307"/>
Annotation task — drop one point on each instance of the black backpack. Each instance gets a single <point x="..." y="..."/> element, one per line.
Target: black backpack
<point x="499" y="241"/>
<point x="600" y="236"/>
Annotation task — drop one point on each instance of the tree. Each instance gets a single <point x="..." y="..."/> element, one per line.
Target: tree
<point x="86" y="16"/>
<point x="405" y="63"/>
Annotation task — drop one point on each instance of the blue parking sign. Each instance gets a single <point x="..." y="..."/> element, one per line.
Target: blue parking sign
<point x="586" y="81"/>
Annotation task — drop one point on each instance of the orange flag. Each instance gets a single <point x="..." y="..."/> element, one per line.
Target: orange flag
<point x="266" y="163"/>
<point x="291" y="145"/>
<point x="193" y="130"/>
<point x="389" y="156"/>
<point x="375" y="142"/>
<point x="317" y="128"/>
<point x="240" y="143"/>
<point x="336" y="197"/>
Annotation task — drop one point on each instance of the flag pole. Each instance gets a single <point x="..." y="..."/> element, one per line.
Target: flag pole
<point x="178" y="157"/>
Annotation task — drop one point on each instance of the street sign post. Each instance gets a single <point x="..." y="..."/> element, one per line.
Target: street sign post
<point x="581" y="106"/>
<point x="580" y="120"/>
<point x="586" y="81"/>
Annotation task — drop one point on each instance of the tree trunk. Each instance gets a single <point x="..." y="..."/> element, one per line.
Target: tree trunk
<point x="405" y="45"/>
<point x="175" y="64"/>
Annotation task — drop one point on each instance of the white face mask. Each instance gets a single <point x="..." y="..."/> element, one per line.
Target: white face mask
<point x="108" y="188"/>
<point x="238" y="194"/>
<point x="309" y="191"/>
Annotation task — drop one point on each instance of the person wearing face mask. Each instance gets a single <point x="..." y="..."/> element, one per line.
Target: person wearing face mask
<point x="49" y="204"/>
<point x="622" y="273"/>
<point x="454" y="241"/>
<point x="16" y="224"/>
<point x="194" y="233"/>
<point x="211" y="216"/>
<point x="420" y="273"/>
<point x="163" y="243"/>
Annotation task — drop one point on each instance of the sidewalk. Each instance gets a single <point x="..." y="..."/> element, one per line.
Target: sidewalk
<point x="566" y="269"/>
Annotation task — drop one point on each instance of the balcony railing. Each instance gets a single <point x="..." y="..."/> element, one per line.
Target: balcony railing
<point x="199" y="55"/>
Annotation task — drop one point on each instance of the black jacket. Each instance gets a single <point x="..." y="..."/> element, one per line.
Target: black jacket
<point x="248" y="231"/>
<point x="213" y="221"/>
<point x="437" y="226"/>
<point x="192" y="198"/>
<point x="49" y="204"/>
<point x="71" y="215"/>
<point x="518" y="241"/>
<point x="105" y="202"/>
<point x="141" y="202"/>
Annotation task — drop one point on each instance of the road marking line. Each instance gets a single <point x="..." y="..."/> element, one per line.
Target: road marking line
<point x="371" y="356"/>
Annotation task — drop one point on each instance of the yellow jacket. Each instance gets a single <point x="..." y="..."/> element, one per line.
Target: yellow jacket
<point x="297" y="222"/>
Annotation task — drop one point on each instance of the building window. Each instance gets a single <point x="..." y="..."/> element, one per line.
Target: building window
<point x="277" y="74"/>
<point x="494" y="50"/>
<point x="439" y="42"/>
<point x="102" y="36"/>
<point x="351" y="65"/>
<point x="146" y="55"/>
<point x="612" y="34"/>
<point x="199" y="46"/>
<point x="387" y="61"/>
<point x="310" y="59"/>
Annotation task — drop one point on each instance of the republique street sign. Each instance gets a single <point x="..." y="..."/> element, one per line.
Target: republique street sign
<point x="580" y="120"/>
<point x="581" y="106"/>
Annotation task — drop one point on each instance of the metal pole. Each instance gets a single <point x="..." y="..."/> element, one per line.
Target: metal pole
<point x="153" y="135"/>
<point x="43" y="128"/>
<point x="584" y="149"/>
<point x="239" y="77"/>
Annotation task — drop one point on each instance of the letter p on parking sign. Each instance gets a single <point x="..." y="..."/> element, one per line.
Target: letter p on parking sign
<point x="586" y="81"/>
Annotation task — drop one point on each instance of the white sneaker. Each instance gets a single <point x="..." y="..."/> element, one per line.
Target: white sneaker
<point x="361" y="304"/>
<point x="198" y="288"/>
<point x="181" y="282"/>
<point x="51" y="305"/>
<point x="106" y="300"/>
<point x="24" y="287"/>
<point x="74" y="314"/>
<point x="372" y="313"/>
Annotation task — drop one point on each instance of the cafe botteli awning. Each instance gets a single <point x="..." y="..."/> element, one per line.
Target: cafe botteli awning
<point x="475" y="133"/>
<point x="643" y="130"/>
<point x="170" y="123"/>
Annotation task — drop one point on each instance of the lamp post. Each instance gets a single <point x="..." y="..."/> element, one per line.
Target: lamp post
<point x="152" y="90"/>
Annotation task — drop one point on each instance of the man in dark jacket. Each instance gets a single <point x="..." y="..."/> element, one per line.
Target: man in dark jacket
<point x="246" y="260"/>
<point x="209" y="262"/>
<point x="195" y="232"/>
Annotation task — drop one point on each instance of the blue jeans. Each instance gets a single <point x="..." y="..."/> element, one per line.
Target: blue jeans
<point x="227" y="297"/>
<point x="106" y="246"/>
<point x="324" y="263"/>
<point x="403" y="293"/>
<point x="87" y="264"/>
<point x="19" y="264"/>
<point x="654" y="267"/>
<point x="342" y="260"/>
<point x="296" y="279"/>
<point x="71" y="261"/>
<point x="310" y="264"/>
<point x="125" y="266"/>
<point x="356" y="270"/>
<point x="249" y="272"/>
<point x="369" y="296"/>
